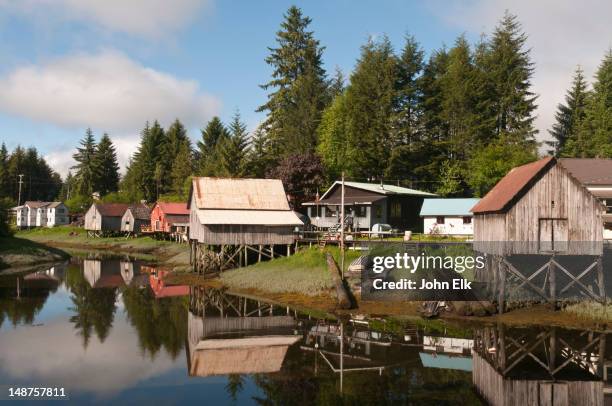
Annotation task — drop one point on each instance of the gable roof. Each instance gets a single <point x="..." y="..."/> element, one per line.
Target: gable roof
<point x="36" y="204"/>
<point x="512" y="186"/>
<point x="239" y="194"/>
<point x="589" y="171"/>
<point x="112" y="209"/>
<point x="140" y="212"/>
<point x="173" y="208"/>
<point x="384" y="189"/>
<point x="448" y="207"/>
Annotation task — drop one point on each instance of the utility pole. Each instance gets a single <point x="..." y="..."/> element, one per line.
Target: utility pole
<point x="342" y="228"/>
<point x="20" y="183"/>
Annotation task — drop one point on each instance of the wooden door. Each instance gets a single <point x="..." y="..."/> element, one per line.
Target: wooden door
<point x="545" y="239"/>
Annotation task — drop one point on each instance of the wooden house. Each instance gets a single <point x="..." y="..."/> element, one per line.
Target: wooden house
<point x="367" y="204"/>
<point x="168" y="217"/>
<point x="596" y="176"/>
<point x="104" y="218"/>
<point x="134" y="218"/>
<point x="41" y="214"/>
<point x="448" y="216"/>
<point x="232" y="214"/>
<point x="539" y="207"/>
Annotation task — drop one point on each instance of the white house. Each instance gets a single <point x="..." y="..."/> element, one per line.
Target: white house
<point x="41" y="214"/>
<point x="448" y="216"/>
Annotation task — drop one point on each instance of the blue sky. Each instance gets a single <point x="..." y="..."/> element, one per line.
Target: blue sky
<point x="70" y="64"/>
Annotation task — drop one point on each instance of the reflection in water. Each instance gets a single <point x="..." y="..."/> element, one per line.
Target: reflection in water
<point x="138" y="338"/>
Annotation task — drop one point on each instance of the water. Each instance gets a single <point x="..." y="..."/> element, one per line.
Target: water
<point x="110" y="330"/>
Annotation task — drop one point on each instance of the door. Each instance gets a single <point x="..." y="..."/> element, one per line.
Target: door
<point x="553" y="235"/>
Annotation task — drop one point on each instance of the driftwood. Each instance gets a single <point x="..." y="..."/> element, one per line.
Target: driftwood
<point x="344" y="300"/>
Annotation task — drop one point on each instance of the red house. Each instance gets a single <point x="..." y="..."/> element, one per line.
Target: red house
<point x="169" y="217"/>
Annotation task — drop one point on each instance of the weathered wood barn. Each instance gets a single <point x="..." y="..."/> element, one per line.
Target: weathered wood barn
<point x="166" y="217"/>
<point x="104" y="218"/>
<point x="368" y="204"/>
<point x="539" y="207"/>
<point x="540" y="212"/>
<point x="134" y="218"/>
<point x="230" y="216"/>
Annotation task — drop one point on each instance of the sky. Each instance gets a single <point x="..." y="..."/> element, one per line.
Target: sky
<point x="112" y="65"/>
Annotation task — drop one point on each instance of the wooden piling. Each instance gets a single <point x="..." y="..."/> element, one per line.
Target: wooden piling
<point x="342" y="296"/>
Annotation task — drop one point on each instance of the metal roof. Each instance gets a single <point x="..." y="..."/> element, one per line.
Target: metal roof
<point x="384" y="189"/>
<point x="242" y="194"/>
<point x="448" y="207"/>
<point x="36" y="204"/>
<point x="173" y="208"/>
<point x="249" y="217"/>
<point x="140" y="212"/>
<point x="589" y="171"/>
<point x="112" y="209"/>
<point x="512" y="186"/>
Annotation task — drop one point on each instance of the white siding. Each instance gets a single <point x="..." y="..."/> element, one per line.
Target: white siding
<point x="453" y="225"/>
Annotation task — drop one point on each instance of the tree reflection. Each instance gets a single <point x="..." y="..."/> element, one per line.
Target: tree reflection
<point x="94" y="308"/>
<point x="235" y="384"/>
<point x="159" y="323"/>
<point x="21" y="305"/>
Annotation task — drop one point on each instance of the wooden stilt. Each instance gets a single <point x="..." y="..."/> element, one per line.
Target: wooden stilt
<point x="502" y="287"/>
<point x="288" y="250"/>
<point x="259" y="253"/>
<point x="553" y="283"/>
<point x="600" y="279"/>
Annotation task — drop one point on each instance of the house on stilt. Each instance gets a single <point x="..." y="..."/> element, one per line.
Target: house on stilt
<point x="238" y="218"/>
<point x="531" y="223"/>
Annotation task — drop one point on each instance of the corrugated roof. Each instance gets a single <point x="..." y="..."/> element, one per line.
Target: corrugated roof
<point x="175" y="219"/>
<point x="512" y="186"/>
<point x="250" y="217"/>
<point x="174" y="208"/>
<point x="243" y="194"/>
<point x="53" y="205"/>
<point x="112" y="209"/>
<point x="589" y="171"/>
<point x="448" y="207"/>
<point x="386" y="189"/>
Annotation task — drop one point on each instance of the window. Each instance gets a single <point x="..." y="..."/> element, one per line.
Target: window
<point x="467" y="220"/>
<point x="608" y="204"/>
<point x="332" y="211"/>
<point x="378" y="211"/>
<point x="361" y="211"/>
<point x="440" y="220"/>
<point x="396" y="210"/>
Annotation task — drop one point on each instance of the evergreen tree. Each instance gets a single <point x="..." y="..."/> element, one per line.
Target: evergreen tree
<point x="208" y="148"/>
<point x="105" y="162"/>
<point x="181" y="157"/>
<point x="86" y="170"/>
<point x="569" y="116"/>
<point x="370" y="105"/>
<point x="298" y="87"/>
<point x="234" y="149"/>
<point x="334" y="147"/>
<point x="4" y="175"/>
<point x="259" y="160"/>
<point x="510" y="70"/>
<point x="595" y="134"/>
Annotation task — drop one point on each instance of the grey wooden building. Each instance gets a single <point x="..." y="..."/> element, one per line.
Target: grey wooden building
<point x="104" y="218"/>
<point x="233" y="216"/>
<point x="367" y="204"/>
<point x="532" y="225"/>
<point x="134" y="218"/>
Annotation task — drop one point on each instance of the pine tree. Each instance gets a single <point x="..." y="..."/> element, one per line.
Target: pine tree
<point x="510" y="69"/>
<point x="334" y="147"/>
<point x="86" y="170"/>
<point x="259" y="160"/>
<point x="370" y="104"/>
<point x="569" y="117"/>
<point x="105" y="162"/>
<point x="4" y="175"/>
<point x="595" y="134"/>
<point x="298" y="87"/>
<point x="181" y="156"/>
<point x="233" y="150"/>
<point x="208" y="152"/>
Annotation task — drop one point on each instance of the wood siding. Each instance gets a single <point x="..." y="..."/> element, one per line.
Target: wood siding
<point x="93" y="219"/>
<point x="555" y="196"/>
<point x="237" y="234"/>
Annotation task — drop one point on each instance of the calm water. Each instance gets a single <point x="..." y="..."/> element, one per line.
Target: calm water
<point x="112" y="331"/>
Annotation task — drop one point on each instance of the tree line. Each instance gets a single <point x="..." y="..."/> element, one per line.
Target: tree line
<point x="452" y="122"/>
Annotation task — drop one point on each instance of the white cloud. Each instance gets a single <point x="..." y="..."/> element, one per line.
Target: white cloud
<point x="147" y="18"/>
<point x="105" y="90"/>
<point x="562" y="35"/>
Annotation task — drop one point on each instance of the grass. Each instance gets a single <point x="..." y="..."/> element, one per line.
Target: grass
<point x="591" y="311"/>
<point x="75" y="238"/>
<point x="304" y="273"/>
<point x="19" y="252"/>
